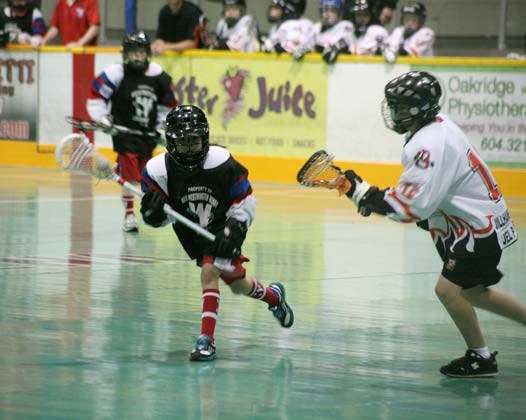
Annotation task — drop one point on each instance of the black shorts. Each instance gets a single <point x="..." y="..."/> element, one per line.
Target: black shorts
<point x="470" y="269"/>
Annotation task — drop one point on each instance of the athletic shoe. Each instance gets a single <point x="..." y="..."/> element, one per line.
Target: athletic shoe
<point x="204" y="349"/>
<point x="130" y="224"/>
<point x="282" y="311"/>
<point x="471" y="365"/>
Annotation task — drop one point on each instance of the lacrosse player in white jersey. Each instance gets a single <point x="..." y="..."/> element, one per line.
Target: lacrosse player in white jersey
<point x="447" y="189"/>
<point x="207" y="185"/>
<point x="290" y="32"/>
<point x="412" y="38"/>
<point x="237" y="31"/>
<point x="333" y="35"/>
<point x="368" y="38"/>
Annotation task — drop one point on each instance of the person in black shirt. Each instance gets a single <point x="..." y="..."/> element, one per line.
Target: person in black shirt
<point x="180" y="27"/>
<point x="204" y="183"/>
<point x="136" y="94"/>
<point x="22" y="22"/>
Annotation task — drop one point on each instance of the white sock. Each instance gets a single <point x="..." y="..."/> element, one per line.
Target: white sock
<point x="483" y="352"/>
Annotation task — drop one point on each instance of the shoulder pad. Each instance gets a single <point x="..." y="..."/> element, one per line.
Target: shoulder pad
<point x="153" y="70"/>
<point x="216" y="156"/>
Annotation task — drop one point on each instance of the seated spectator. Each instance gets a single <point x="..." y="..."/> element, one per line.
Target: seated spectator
<point x="181" y="26"/>
<point x="368" y="38"/>
<point x="23" y="22"/>
<point x="236" y="31"/>
<point x="382" y="11"/>
<point x="77" y="22"/>
<point x="333" y="35"/>
<point x="412" y="38"/>
<point x="289" y="33"/>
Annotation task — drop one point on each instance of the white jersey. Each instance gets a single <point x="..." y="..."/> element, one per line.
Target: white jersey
<point x="420" y="44"/>
<point x="242" y="37"/>
<point x="343" y="30"/>
<point x="369" y="43"/>
<point x="293" y="34"/>
<point x="446" y="182"/>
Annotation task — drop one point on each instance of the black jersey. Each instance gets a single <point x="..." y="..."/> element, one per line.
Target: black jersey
<point x="11" y="23"/>
<point x="135" y="102"/>
<point x="208" y="195"/>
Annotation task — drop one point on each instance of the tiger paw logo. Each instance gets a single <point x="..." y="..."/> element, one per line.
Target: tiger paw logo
<point x="450" y="266"/>
<point x="233" y="84"/>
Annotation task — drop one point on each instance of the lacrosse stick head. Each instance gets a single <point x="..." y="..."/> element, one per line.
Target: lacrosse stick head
<point x="318" y="171"/>
<point x="75" y="153"/>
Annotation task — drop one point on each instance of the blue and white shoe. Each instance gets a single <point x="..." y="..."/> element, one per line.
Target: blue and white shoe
<point x="204" y="350"/>
<point x="282" y="311"/>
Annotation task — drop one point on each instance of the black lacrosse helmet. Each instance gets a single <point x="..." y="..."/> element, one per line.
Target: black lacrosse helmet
<point x="136" y="42"/>
<point x="411" y="101"/>
<point x="290" y="9"/>
<point x="187" y="135"/>
<point x="241" y="4"/>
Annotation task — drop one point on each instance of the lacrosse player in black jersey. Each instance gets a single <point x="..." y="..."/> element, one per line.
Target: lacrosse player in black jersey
<point x="207" y="185"/>
<point x="136" y="94"/>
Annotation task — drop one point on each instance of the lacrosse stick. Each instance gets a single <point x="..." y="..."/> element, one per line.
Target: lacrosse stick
<point x="319" y="171"/>
<point x="76" y="153"/>
<point x="86" y="125"/>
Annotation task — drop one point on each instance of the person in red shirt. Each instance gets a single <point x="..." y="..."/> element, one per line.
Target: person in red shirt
<point x="77" y="22"/>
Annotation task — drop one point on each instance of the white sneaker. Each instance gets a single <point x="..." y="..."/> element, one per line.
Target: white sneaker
<point x="130" y="224"/>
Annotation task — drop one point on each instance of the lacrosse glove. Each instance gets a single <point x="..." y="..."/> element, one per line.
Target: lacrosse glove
<point x="106" y="125"/>
<point x="152" y="203"/>
<point x="330" y="54"/>
<point x="229" y="239"/>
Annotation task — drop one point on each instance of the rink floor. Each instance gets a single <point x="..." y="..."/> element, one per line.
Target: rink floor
<point x="98" y="324"/>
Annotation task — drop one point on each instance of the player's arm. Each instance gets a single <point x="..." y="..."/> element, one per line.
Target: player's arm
<point x="368" y="199"/>
<point x="154" y="186"/>
<point x="240" y="216"/>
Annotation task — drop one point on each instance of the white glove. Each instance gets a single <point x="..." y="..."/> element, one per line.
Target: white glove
<point x="390" y="56"/>
<point x="106" y="124"/>
<point x="298" y="52"/>
<point x="267" y="46"/>
<point x="23" y="38"/>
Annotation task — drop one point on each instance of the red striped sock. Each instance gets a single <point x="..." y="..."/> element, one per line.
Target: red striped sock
<point x="266" y="294"/>
<point x="210" y="309"/>
<point x="127" y="202"/>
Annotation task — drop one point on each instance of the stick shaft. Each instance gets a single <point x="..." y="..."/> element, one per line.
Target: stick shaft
<point x="167" y="209"/>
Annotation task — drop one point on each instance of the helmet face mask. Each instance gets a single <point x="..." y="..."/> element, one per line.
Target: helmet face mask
<point x="187" y="135"/>
<point x="136" y="52"/>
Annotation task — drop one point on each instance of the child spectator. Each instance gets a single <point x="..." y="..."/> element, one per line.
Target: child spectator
<point x="236" y="30"/>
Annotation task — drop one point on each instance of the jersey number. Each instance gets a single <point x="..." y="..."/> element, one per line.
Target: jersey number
<point x="478" y="166"/>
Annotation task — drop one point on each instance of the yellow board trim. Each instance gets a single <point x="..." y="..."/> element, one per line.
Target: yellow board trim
<point x="262" y="168"/>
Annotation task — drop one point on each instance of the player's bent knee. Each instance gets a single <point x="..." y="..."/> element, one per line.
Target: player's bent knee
<point x="209" y="275"/>
<point x="446" y="290"/>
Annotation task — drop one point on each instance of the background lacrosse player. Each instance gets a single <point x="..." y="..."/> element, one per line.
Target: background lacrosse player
<point x="207" y="185"/>
<point x="447" y="189"/>
<point x="136" y="94"/>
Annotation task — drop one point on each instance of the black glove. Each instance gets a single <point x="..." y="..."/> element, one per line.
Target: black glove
<point x="152" y="208"/>
<point x="229" y="239"/>
<point x="278" y="48"/>
<point x="330" y="54"/>
<point x="354" y="179"/>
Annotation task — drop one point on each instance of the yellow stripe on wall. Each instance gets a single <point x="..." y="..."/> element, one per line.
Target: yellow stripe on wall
<point x="262" y="168"/>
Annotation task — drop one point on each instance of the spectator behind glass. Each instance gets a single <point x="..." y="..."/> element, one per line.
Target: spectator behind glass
<point x="23" y="22"/>
<point x="179" y="28"/>
<point x="76" y="21"/>
<point x="290" y="32"/>
<point x="236" y="31"/>
<point x="333" y="35"/>
<point x="382" y="11"/>
<point x="412" y="38"/>
<point x="368" y="38"/>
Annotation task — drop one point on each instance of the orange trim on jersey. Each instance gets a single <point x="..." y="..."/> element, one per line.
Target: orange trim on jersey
<point x="405" y="207"/>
